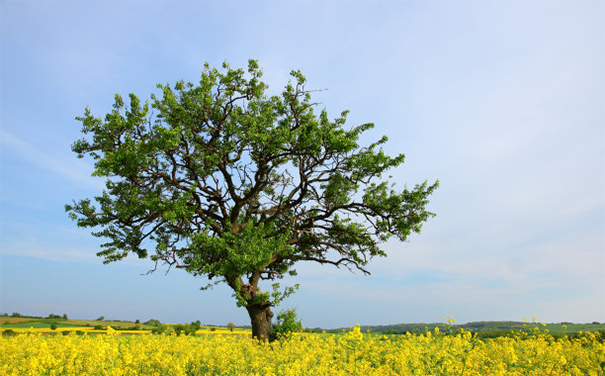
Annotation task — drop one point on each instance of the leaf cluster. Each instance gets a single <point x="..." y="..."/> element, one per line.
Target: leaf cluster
<point x="224" y="181"/>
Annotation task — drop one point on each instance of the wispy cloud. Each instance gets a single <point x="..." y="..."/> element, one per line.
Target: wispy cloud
<point x="76" y="171"/>
<point x="500" y="101"/>
<point x="46" y="250"/>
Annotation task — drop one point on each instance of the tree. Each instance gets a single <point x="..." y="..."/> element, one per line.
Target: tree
<point x="287" y="323"/>
<point x="224" y="181"/>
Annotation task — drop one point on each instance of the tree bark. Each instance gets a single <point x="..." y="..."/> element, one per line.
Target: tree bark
<point x="260" y="316"/>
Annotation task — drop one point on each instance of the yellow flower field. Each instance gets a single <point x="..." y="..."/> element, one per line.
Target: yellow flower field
<point x="352" y="353"/>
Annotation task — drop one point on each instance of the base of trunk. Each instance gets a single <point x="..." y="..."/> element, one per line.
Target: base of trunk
<point x="260" y="316"/>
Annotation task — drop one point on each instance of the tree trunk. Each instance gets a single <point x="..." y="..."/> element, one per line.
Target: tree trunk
<point x="260" y="316"/>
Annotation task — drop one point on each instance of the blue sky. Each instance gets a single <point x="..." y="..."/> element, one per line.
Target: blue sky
<point x="502" y="101"/>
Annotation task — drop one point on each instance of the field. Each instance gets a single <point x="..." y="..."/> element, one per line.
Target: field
<point x="532" y="352"/>
<point x="45" y="326"/>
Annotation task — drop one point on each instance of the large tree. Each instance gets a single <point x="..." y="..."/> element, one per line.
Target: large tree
<point x="223" y="181"/>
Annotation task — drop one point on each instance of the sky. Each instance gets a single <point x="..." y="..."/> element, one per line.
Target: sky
<point x="502" y="101"/>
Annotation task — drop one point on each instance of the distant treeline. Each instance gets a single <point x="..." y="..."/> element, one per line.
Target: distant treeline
<point x="483" y="329"/>
<point x="50" y="316"/>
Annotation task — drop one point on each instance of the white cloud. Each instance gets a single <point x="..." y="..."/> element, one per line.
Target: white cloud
<point x="501" y="102"/>
<point x="43" y="250"/>
<point x="76" y="171"/>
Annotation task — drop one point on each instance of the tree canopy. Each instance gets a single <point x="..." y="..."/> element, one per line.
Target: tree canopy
<point x="224" y="181"/>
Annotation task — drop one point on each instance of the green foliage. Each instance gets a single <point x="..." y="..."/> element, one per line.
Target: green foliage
<point x="186" y="329"/>
<point x="287" y="323"/>
<point x="161" y="329"/>
<point x="53" y="326"/>
<point x="9" y="333"/>
<point x="488" y="329"/>
<point x="53" y="316"/>
<point x="224" y="181"/>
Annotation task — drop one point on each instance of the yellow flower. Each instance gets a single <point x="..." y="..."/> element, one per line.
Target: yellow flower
<point x="305" y="354"/>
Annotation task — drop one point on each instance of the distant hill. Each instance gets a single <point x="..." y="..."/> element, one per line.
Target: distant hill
<point x="484" y="328"/>
<point x="487" y="327"/>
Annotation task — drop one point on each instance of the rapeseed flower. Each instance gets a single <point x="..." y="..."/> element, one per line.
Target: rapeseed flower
<point x="350" y="353"/>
